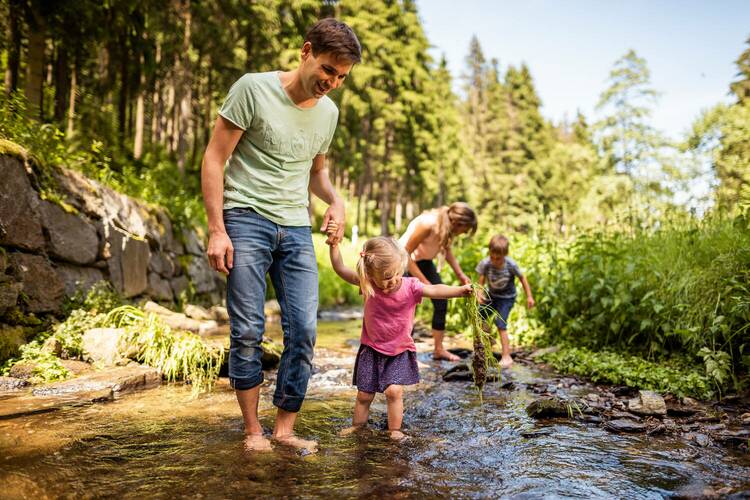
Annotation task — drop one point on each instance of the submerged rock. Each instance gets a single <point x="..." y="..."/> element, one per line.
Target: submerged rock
<point x="648" y="403"/>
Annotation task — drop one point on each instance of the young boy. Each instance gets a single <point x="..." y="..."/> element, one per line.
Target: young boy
<point x="498" y="272"/>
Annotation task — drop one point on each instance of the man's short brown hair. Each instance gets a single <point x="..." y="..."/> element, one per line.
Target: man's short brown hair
<point x="499" y="245"/>
<point x="331" y="36"/>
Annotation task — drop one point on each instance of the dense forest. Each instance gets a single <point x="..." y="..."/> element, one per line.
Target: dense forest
<point x="127" y="91"/>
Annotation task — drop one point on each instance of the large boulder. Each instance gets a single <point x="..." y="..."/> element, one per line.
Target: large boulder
<point x="77" y="278"/>
<point x="42" y="287"/>
<point x="128" y="259"/>
<point x="20" y="225"/>
<point x="201" y="274"/>
<point x="159" y="288"/>
<point x="71" y="238"/>
<point x="9" y="295"/>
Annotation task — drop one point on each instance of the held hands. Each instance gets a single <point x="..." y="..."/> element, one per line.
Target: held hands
<point x="331" y="229"/>
<point x="220" y="252"/>
<point x="335" y="214"/>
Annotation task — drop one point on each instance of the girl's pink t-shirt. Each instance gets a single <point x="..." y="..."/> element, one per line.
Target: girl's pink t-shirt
<point x="388" y="318"/>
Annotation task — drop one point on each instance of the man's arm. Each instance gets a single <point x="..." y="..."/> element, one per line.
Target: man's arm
<point x="223" y="140"/>
<point x="456" y="267"/>
<point x="320" y="186"/>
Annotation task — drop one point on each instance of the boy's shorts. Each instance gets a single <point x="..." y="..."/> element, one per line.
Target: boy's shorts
<point x="502" y="307"/>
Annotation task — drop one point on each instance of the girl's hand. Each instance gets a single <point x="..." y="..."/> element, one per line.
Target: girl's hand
<point x="530" y="303"/>
<point x="467" y="290"/>
<point x="331" y="228"/>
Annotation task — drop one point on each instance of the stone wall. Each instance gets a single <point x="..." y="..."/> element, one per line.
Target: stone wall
<point x="49" y="250"/>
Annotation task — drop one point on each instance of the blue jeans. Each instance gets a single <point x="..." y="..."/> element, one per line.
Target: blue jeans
<point x="288" y="255"/>
<point x="502" y="307"/>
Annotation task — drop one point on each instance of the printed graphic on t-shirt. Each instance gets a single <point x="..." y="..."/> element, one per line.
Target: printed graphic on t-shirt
<point x="501" y="281"/>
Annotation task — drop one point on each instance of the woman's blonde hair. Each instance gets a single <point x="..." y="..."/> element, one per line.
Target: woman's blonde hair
<point x="379" y="255"/>
<point x="451" y="216"/>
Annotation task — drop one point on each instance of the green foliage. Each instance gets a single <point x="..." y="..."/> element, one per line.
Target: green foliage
<point x="611" y="367"/>
<point x="46" y="147"/>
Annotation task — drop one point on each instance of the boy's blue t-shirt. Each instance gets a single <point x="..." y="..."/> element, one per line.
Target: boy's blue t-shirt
<point x="501" y="281"/>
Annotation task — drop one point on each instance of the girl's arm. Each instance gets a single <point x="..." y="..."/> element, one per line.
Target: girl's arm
<point x="337" y="262"/>
<point x="456" y="267"/>
<point x="530" y="303"/>
<point x="420" y="233"/>
<point x="446" y="291"/>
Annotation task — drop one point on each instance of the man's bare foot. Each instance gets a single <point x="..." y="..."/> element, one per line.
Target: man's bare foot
<point x="257" y="443"/>
<point x="295" y="442"/>
<point x="351" y="430"/>
<point x="448" y="356"/>
<point x="398" y="436"/>
<point x="506" y="362"/>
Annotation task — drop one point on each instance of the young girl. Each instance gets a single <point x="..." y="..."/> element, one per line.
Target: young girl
<point x="428" y="235"/>
<point x="387" y="358"/>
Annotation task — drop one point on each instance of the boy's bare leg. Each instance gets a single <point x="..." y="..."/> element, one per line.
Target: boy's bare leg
<point x="506" y="361"/>
<point x="283" y="432"/>
<point x="361" y="412"/>
<point x="440" y="352"/>
<point x="395" y="402"/>
<point x="248" y="401"/>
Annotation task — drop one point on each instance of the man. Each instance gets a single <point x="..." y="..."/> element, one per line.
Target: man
<point x="273" y="132"/>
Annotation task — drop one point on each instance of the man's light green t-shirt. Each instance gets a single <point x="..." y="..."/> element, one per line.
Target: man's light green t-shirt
<point x="269" y="169"/>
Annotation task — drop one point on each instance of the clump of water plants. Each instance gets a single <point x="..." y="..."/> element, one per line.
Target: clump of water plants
<point x="483" y="359"/>
<point x="176" y="354"/>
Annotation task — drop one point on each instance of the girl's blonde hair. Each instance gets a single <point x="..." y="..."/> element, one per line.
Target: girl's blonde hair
<point x="451" y="216"/>
<point x="379" y="255"/>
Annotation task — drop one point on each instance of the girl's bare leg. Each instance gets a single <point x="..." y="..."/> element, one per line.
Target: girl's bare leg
<point x="394" y="399"/>
<point x="361" y="412"/>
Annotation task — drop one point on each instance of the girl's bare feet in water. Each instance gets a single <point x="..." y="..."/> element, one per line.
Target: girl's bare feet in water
<point x="506" y="362"/>
<point x="294" y="442"/>
<point x="443" y="354"/>
<point x="351" y="430"/>
<point x="398" y="435"/>
<point x="257" y="443"/>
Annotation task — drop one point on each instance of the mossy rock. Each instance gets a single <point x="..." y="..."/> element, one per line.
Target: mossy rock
<point x="11" y="340"/>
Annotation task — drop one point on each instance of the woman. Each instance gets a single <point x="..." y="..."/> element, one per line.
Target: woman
<point x="428" y="235"/>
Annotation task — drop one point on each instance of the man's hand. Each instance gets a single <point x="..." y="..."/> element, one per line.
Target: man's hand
<point x="220" y="252"/>
<point x="336" y="213"/>
<point x="530" y="303"/>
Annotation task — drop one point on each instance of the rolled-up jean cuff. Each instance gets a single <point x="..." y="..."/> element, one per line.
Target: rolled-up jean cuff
<point x="243" y="384"/>
<point x="288" y="403"/>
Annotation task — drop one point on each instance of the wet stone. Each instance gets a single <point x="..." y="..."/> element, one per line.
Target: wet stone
<point x="118" y="380"/>
<point x="12" y="383"/>
<point x="625" y="425"/>
<point x="648" y="403"/>
<point x="549" y="407"/>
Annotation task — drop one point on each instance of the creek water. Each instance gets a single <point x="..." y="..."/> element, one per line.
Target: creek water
<point x="161" y="444"/>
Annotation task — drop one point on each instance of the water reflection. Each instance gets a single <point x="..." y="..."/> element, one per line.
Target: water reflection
<point x="160" y="444"/>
